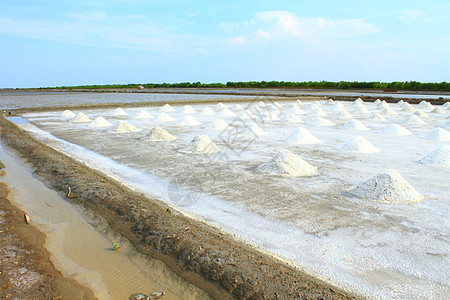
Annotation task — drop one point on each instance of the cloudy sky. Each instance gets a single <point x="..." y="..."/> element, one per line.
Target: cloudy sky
<point x="55" y="43"/>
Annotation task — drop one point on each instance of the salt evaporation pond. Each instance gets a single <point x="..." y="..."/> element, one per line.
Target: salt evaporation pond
<point x="376" y="248"/>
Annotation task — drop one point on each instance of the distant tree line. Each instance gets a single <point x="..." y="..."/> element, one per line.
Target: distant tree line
<point x="341" y="85"/>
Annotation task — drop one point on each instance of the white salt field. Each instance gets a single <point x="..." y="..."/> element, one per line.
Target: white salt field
<point x="355" y="193"/>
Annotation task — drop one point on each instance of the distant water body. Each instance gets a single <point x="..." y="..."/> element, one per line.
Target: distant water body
<point x="13" y="100"/>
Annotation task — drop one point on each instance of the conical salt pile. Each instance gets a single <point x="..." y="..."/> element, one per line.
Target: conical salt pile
<point x="302" y="136"/>
<point x="439" y="156"/>
<point x="100" y="122"/>
<point x="330" y="101"/>
<point x="317" y="112"/>
<point x="438" y="110"/>
<point x="227" y="113"/>
<point x="420" y="114"/>
<point x="446" y="105"/>
<point x="276" y="105"/>
<point x="388" y="111"/>
<point x="360" y="108"/>
<point x="439" y="134"/>
<point x="187" y="109"/>
<point x="338" y="107"/>
<point x="167" y="108"/>
<point x="207" y="111"/>
<point x="425" y="105"/>
<point x="299" y="102"/>
<point x="358" y="144"/>
<point x="220" y="105"/>
<point x="319" y="121"/>
<point x="296" y="110"/>
<point x="271" y="115"/>
<point x="359" y="100"/>
<point x="354" y="125"/>
<point x="143" y="114"/>
<point x="408" y="107"/>
<point x="238" y="107"/>
<point x="395" y="129"/>
<point x="201" y="144"/>
<point x="164" y="117"/>
<point x="387" y="187"/>
<point x="68" y="114"/>
<point x="189" y="121"/>
<point x="292" y="118"/>
<point x="343" y="115"/>
<point x="246" y="114"/>
<point x="286" y="163"/>
<point x="378" y="117"/>
<point x="262" y="103"/>
<point x="256" y="129"/>
<point x="383" y="104"/>
<point x="124" y="126"/>
<point x="81" y="118"/>
<point x="157" y="134"/>
<point x="413" y="120"/>
<point x="219" y="124"/>
<point x="378" y="101"/>
<point x="119" y="112"/>
<point x="400" y="103"/>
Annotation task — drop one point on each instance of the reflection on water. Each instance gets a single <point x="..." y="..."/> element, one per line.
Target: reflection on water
<point x="17" y="120"/>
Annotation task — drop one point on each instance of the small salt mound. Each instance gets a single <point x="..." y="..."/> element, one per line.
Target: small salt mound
<point x="164" y="117"/>
<point x="317" y="112"/>
<point x="302" y="136"/>
<point x="400" y="103"/>
<point x="239" y="107"/>
<point x="387" y="187"/>
<point x="343" y="114"/>
<point x="439" y="156"/>
<point x="338" y="107"/>
<point x="358" y="144"/>
<point x="296" y="110"/>
<point x="360" y="109"/>
<point x="378" y="117"/>
<point x="227" y="113"/>
<point x="438" y="110"/>
<point x="383" y="104"/>
<point x="286" y="163"/>
<point x="378" y="101"/>
<point x="420" y="113"/>
<point x="388" y="111"/>
<point x="315" y="106"/>
<point x="395" y="129"/>
<point x="330" y="101"/>
<point x="446" y="105"/>
<point x="187" y="109"/>
<point x="167" y="108"/>
<point x="100" y="122"/>
<point x="256" y="129"/>
<point x="262" y="103"/>
<point x="319" y="121"/>
<point x="414" y="120"/>
<point x="359" y="100"/>
<point x="207" y="111"/>
<point x="271" y="115"/>
<point x="246" y="114"/>
<point x="408" y="107"/>
<point x="119" y="112"/>
<point x="220" y="105"/>
<point x="201" y="144"/>
<point x="292" y="118"/>
<point x="298" y="102"/>
<point x="81" y="118"/>
<point x="425" y="105"/>
<point x="218" y="124"/>
<point x="277" y="105"/>
<point x="68" y="114"/>
<point x="354" y="125"/>
<point x="143" y="114"/>
<point x="157" y="134"/>
<point x="189" y="121"/>
<point x="439" y="134"/>
<point x="317" y="103"/>
<point x="124" y="126"/>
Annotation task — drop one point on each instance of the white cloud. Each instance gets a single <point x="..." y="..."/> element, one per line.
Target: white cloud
<point x="411" y="16"/>
<point x="237" y="40"/>
<point x="263" y="34"/>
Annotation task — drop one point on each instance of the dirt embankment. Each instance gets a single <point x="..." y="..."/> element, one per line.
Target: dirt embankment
<point x="26" y="271"/>
<point x="204" y="256"/>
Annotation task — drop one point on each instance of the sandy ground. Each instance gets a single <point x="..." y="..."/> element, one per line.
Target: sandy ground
<point x="26" y="269"/>
<point x="211" y="259"/>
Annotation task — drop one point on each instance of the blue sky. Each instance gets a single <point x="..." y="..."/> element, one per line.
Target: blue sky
<point x="55" y="43"/>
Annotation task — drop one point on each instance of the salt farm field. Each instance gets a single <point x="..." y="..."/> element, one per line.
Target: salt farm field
<point x="370" y="246"/>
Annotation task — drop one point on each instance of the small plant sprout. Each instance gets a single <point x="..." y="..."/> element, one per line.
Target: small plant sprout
<point x="115" y="247"/>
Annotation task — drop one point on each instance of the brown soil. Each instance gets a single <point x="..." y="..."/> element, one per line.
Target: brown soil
<point x="211" y="259"/>
<point x="26" y="269"/>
